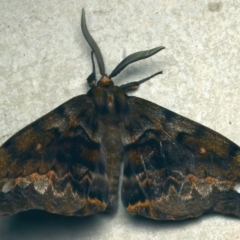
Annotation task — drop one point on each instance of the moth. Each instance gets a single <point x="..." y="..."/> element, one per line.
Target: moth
<point x="68" y="161"/>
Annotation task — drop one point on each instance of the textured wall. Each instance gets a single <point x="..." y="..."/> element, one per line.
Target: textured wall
<point x="44" y="61"/>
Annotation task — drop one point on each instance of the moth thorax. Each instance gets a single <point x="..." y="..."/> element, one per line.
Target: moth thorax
<point x="110" y="103"/>
<point x="109" y="100"/>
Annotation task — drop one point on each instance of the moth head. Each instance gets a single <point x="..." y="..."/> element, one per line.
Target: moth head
<point x="105" y="80"/>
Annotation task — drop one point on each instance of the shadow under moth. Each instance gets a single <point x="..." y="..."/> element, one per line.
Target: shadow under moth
<point x="68" y="161"/>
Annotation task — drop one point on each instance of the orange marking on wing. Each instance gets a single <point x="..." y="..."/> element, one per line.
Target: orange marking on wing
<point x="139" y="205"/>
<point x="38" y="147"/>
<point x="202" y="150"/>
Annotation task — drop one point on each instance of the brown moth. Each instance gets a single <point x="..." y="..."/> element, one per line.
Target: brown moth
<point x="68" y="161"/>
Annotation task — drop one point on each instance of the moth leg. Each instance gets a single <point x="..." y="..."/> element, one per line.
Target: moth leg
<point x="134" y="85"/>
<point x="92" y="44"/>
<point x="134" y="58"/>
<point x="92" y="77"/>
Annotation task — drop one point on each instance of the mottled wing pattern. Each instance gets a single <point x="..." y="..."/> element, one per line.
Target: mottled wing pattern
<point x="55" y="164"/>
<point x="175" y="168"/>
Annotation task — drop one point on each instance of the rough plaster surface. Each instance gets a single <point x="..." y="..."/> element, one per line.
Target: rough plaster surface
<point x="44" y="61"/>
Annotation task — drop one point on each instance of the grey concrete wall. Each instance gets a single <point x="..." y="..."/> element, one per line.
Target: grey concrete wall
<point x="44" y="61"/>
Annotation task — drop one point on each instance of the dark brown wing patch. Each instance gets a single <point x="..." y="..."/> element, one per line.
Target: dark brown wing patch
<point x="176" y="168"/>
<point x="55" y="164"/>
